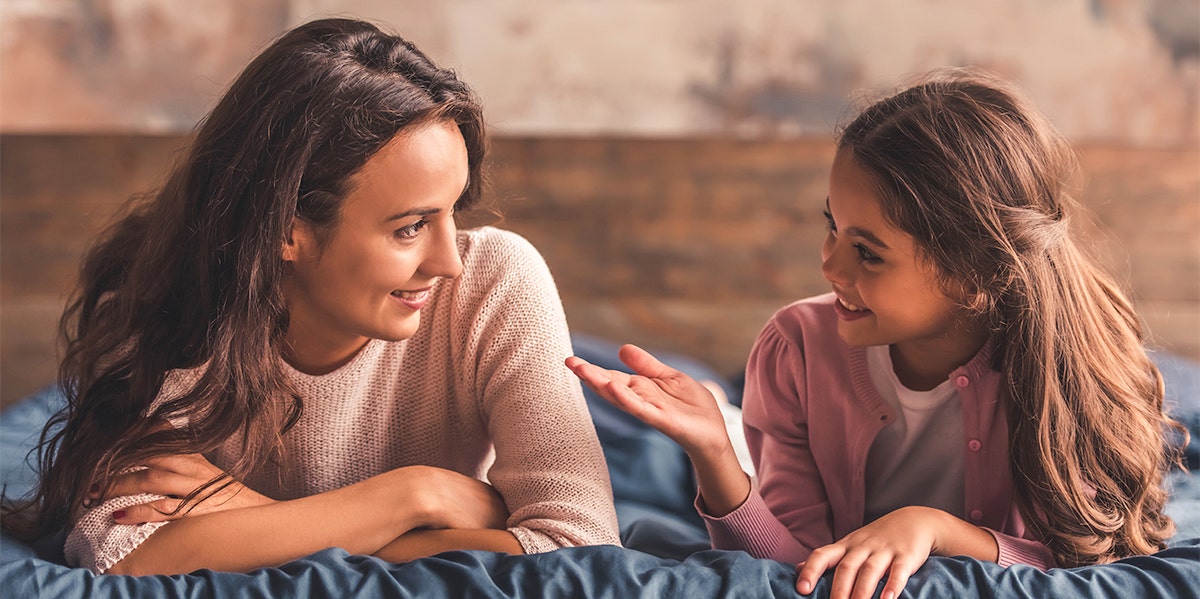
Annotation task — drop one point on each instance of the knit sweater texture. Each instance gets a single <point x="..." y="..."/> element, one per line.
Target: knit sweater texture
<point x="479" y="389"/>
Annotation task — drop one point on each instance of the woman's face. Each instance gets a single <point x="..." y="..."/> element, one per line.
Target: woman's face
<point x="395" y="236"/>
<point x="887" y="294"/>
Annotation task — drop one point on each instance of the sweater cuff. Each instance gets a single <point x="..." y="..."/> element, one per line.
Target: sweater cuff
<point x="1012" y="551"/>
<point x="751" y="527"/>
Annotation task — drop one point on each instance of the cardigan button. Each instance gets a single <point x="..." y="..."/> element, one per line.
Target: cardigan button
<point x="977" y="515"/>
<point x="974" y="445"/>
<point x="962" y="381"/>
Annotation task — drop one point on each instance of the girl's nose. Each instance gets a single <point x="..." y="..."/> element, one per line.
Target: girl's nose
<point x="833" y="262"/>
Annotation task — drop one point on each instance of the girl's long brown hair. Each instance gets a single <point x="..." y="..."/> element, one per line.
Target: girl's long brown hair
<point x="967" y="166"/>
<point x="192" y="276"/>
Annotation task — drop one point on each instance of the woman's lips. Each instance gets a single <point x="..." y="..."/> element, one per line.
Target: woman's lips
<point x="414" y="300"/>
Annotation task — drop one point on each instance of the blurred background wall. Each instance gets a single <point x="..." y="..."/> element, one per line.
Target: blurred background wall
<point x="669" y="157"/>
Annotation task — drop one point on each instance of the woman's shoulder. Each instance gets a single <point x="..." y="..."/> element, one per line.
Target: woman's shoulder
<point x="493" y="245"/>
<point x="500" y="264"/>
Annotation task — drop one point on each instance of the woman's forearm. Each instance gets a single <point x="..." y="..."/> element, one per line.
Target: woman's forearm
<point x="424" y="543"/>
<point x="361" y="518"/>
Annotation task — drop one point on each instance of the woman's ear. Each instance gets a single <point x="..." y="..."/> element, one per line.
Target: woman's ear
<point x="300" y="242"/>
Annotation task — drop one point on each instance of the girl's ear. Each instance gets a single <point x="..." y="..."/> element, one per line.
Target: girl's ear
<point x="300" y="242"/>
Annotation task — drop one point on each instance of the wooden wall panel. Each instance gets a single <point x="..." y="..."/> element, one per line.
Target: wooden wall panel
<point x="683" y="245"/>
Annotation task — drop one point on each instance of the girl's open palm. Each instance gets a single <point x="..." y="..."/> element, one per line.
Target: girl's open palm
<point x="660" y="396"/>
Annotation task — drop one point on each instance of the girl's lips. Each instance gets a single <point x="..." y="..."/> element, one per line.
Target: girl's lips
<point x="847" y="311"/>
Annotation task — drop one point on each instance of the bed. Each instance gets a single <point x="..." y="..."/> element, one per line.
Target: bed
<point x="666" y="550"/>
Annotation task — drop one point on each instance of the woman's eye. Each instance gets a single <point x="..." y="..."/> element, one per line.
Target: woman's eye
<point x="866" y="255"/>
<point x="829" y="224"/>
<point x="412" y="230"/>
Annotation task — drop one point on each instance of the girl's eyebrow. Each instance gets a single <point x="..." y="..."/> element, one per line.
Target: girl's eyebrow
<point x="859" y="232"/>
<point x="867" y="235"/>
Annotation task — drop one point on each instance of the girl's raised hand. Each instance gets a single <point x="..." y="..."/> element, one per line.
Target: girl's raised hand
<point x="681" y="409"/>
<point x="660" y="396"/>
<point x="176" y="477"/>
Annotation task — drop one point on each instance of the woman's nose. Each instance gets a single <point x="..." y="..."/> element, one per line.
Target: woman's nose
<point x="443" y="259"/>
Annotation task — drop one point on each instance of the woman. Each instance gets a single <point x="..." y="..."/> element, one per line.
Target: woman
<point x="291" y="347"/>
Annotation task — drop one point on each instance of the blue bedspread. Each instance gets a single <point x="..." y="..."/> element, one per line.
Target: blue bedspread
<point x="666" y="551"/>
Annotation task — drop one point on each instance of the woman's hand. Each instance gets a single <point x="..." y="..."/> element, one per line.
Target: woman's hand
<point x="452" y="500"/>
<point x="176" y="477"/>
<point x="895" y="545"/>
<point x="660" y="396"/>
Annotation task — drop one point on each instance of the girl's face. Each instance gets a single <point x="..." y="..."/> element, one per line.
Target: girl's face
<point x="394" y="238"/>
<point x="886" y="294"/>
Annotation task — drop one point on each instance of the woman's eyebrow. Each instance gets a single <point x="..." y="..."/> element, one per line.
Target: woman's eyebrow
<point x="413" y="212"/>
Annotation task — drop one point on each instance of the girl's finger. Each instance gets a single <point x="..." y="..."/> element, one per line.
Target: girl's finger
<point x="845" y="574"/>
<point x="869" y="575"/>
<point x="645" y="364"/>
<point x="901" y="570"/>
<point x="820" y="560"/>
<point x="156" y="511"/>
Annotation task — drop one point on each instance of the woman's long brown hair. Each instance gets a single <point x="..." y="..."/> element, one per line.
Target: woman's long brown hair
<point x="967" y="166"/>
<point x="191" y="277"/>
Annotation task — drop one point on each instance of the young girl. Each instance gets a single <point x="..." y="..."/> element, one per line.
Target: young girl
<point x="974" y="385"/>
<point x="290" y="347"/>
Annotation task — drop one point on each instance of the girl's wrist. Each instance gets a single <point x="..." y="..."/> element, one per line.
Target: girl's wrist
<point x="724" y="486"/>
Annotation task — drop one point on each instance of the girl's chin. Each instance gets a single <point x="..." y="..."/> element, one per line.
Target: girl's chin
<point x="854" y="336"/>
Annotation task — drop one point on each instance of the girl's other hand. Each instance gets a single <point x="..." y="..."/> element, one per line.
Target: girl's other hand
<point x="895" y="545"/>
<point x="176" y="477"/>
<point x="660" y="396"/>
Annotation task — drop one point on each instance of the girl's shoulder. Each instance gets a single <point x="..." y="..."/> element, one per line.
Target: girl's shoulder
<point x="811" y="318"/>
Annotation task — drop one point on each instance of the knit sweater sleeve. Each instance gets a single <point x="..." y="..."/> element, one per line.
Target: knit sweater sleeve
<point x="95" y="540"/>
<point x="787" y="514"/>
<point x="549" y="466"/>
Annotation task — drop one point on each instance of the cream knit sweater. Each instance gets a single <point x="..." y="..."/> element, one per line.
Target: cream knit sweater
<point x="480" y="389"/>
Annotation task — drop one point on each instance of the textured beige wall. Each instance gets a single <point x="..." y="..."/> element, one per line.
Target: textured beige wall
<point x="1125" y="71"/>
<point x="663" y="154"/>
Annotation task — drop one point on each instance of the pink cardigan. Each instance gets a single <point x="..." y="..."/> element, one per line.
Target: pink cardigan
<point x="809" y="433"/>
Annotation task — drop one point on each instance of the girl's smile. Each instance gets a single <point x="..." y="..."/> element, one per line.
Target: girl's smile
<point x="848" y="311"/>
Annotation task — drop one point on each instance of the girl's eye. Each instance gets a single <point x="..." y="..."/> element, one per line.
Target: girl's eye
<point x="866" y="255"/>
<point x="829" y="224"/>
<point x="411" y="231"/>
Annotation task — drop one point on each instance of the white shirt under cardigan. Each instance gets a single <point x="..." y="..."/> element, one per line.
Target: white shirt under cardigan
<point x="916" y="459"/>
<point x="480" y="389"/>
